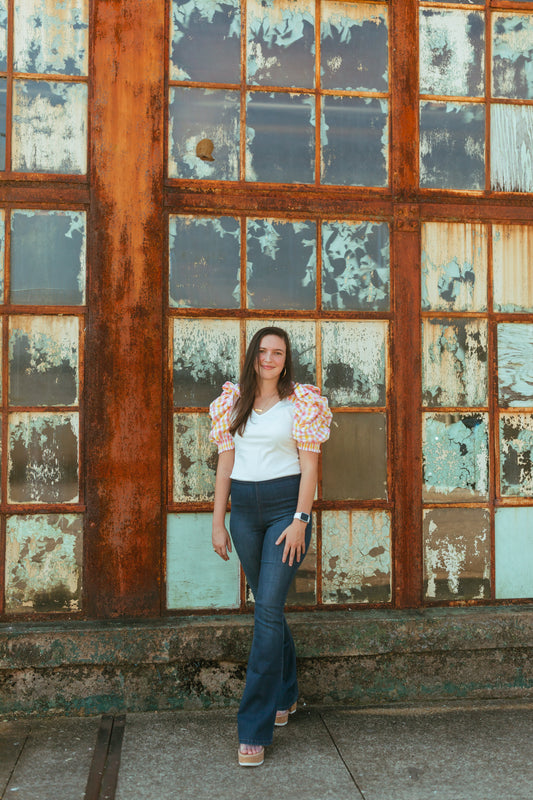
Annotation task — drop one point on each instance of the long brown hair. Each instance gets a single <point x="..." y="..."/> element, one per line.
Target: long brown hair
<point x="248" y="382"/>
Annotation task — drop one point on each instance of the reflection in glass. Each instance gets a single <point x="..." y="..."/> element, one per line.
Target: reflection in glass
<point x="205" y="41"/>
<point x="203" y="136"/>
<point x="454" y="362"/>
<point x="515" y="364"/>
<point x="512" y="56"/>
<point x="513" y="552"/>
<point x="3" y="100"/>
<point x="452" y="49"/>
<point x="51" y="37"/>
<point x="43" y="361"/>
<point x="205" y="259"/>
<point x="195" y="458"/>
<point x="281" y="264"/>
<point x="206" y="355"/>
<point x="452" y="145"/>
<point x="354" y="460"/>
<point x="516" y="455"/>
<point x="455" y="456"/>
<point x="280" y="137"/>
<point x="512" y="256"/>
<point x="302" y="335"/>
<point x="354" y="141"/>
<point x="511" y="136"/>
<point x="354" y="356"/>
<point x="281" y="42"/>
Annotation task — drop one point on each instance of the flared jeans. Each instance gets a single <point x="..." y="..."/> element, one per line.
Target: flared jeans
<point x="260" y="512"/>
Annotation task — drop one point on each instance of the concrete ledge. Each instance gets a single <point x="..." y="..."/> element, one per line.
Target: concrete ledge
<point x="347" y="657"/>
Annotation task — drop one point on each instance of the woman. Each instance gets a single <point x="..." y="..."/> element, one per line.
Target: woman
<point x="268" y="430"/>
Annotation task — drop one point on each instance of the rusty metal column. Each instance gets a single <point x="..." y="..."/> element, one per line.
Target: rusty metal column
<point x="406" y="356"/>
<point x="124" y="337"/>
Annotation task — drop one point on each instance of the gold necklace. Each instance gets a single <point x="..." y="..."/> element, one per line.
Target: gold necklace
<point x="266" y="404"/>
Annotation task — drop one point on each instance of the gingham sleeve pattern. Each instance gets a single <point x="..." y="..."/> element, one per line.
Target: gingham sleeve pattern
<point x="220" y="413"/>
<point x="312" y="417"/>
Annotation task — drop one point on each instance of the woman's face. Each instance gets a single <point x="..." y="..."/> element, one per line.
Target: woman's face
<point x="271" y="357"/>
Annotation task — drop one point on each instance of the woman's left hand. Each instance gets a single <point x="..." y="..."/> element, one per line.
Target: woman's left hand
<point x="294" y="537"/>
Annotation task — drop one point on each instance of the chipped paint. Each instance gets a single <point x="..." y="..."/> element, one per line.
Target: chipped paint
<point x="43" y="360"/>
<point x="515" y="364"/>
<point x="516" y="455"/>
<point x="454" y="266"/>
<point x="454" y="362"/>
<point x="452" y="53"/>
<point x="302" y="335"/>
<point x="456" y="457"/>
<point x="44" y="563"/>
<point x="195" y="460"/>
<point x="356" y="266"/>
<point x="511" y="148"/>
<point x="356" y="556"/>
<point x="3" y="35"/>
<point x="512" y="56"/>
<point x="280" y="264"/>
<point x="43" y="458"/>
<point x="205" y="41"/>
<point x="513" y="547"/>
<point x="354" y="47"/>
<point x="354" y="460"/>
<point x="49" y="127"/>
<point x="354" y="362"/>
<point x="452" y="145"/>
<point x="512" y="256"/>
<point x="51" y="36"/>
<point x="457" y="553"/>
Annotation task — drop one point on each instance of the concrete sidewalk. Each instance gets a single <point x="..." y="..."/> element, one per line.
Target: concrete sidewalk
<point x="451" y="751"/>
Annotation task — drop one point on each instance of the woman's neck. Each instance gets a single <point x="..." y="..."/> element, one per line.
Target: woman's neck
<point x="266" y="388"/>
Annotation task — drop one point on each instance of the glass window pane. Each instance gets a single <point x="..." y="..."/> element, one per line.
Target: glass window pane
<point x="511" y="139"/>
<point x="3" y="35"/>
<point x="205" y="259"/>
<point x="356" y="266"/>
<point x="512" y="256"/>
<point x="454" y="266"/>
<point x="195" y="458"/>
<point x="49" y="127"/>
<point x="206" y="355"/>
<point x="512" y="56"/>
<point x="196" y="576"/>
<point x="456" y="553"/>
<point x="516" y="455"/>
<point x="43" y="458"/>
<point x="44" y="555"/>
<point x="356" y="440"/>
<point x="456" y="457"/>
<point x="515" y="364"/>
<point x="454" y="362"/>
<point x="205" y="41"/>
<point x="452" y="49"/>
<point x="203" y="136"/>
<point x="281" y="42"/>
<point x="3" y="100"/>
<point x="43" y="361"/>
<point x="452" y="145"/>
<point x="280" y="137"/>
<point x="281" y="264"/>
<point x="354" y="141"/>
<point x="514" y="552"/>
<point x="354" y="47"/>
<point x="51" y="37"/>
<point x="302" y="335"/>
<point x="356" y="557"/>
<point x="48" y="257"/>
<point x="354" y="362"/>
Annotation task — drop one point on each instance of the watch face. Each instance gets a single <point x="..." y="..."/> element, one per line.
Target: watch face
<point x="303" y="516"/>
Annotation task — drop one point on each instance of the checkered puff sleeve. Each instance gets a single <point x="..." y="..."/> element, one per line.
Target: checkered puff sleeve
<point x="220" y="413"/>
<point x="312" y="417"/>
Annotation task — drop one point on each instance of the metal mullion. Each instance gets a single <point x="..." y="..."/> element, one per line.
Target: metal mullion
<point x="318" y="98"/>
<point x="24" y="509"/>
<point x="452" y="98"/>
<point x="494" y="416"/>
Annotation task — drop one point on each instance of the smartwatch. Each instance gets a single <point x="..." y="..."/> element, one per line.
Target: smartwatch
<point x="303" y="516"/>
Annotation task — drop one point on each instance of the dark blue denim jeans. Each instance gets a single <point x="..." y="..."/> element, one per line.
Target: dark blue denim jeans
<point x="260" y="512"/>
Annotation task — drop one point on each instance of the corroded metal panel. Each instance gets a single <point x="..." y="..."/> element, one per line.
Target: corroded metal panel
<point x="512" y="56"/>
<point x="452" y="145"/>
<point x="206" y="353"/>
<point x="452" y="53"/>
<point x="196" y="576"/>
<point x="515" y="364"/>
<point x="514" y="552"/>
<point x="44" y="563"/>
<point x="3" y="35"/>
<point x="195" y="458"/>
<point x="280" y="264"/>
<point x="354" y="460"/>
<point x="302" y="335"/>
<point x="43" y="458"/>
<point x="457" y="561"/>
<point x="48" y="257"/>
<point x="281" y="42"/>
<point x="454" y="362"/>
<point x="49" y="127"/>
<point x="511" y="153"/>
<point x="512" y="256"/>
<point x="354" y="362"/>
<point x="454" y="266"/>
<point x="51" y="36"/>
<point x="205" y="41"/>
<point x="516" y="455"/>
<point x="354" y="47"/>
<point x="356" y="266"/>
<point x="43" y="360"/>
<point x="356" y="557"/>
<point x="204" y="254"/>
<point x="456" y="457"/>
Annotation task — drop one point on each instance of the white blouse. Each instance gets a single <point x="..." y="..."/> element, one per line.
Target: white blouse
<point x="267" y="449"/>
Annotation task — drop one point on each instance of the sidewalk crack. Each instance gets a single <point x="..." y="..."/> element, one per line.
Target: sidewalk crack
<point x="347" y="768"/>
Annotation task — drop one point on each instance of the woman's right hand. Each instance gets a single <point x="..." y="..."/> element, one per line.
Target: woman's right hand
<point x="221" y="541"/>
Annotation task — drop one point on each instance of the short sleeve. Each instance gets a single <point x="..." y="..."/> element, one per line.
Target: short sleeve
<point x="312" y="417"/>
<point x="220" y="413"/>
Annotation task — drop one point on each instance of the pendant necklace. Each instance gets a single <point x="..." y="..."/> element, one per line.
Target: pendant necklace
<point x="267" y="405"/>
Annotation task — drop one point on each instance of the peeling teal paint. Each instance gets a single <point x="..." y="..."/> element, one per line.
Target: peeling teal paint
<point x="514" y="553"/>
<point x="354" y="362"/>
<point x="456" y="457"/>
<point x="515" y="364"/>
<point x="516" y="455"/>
<point x="511" y="148"/>
<point x="454" y="362"/>
<point x="205" y="41"/>
<point x="452" y="49"/>
<point x="3" y="35"/>
<point x="512" y="56"/>
<point x="51" y="36"/>
<point x="512" y="256"/>
<point x="452" y="145"/>
<point x="195" y="459"/>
